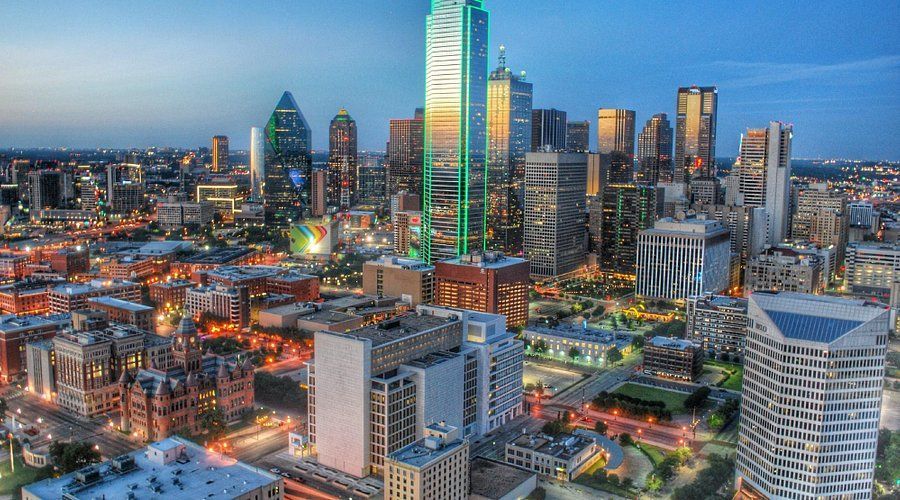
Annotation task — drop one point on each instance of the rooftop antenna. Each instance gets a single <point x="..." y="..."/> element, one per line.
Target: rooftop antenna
<point x="502" y="58"/>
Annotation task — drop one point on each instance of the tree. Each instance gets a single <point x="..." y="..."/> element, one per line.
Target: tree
<point x="614" y="322"/>
<point x="625" y="439"/>
<point x="613" y="355"/>
<point x="574" y="353"/>
<point x="697" y="398"/>
<point x="213" y="422"/>
<point x="598" y="311"/>
<point x="627" y="482"/>
<point x="612" y="479"/>
<point x="600" y="427"/>
<point x="725" y="357"/>
<point x="3" y="407"/>
<point x="682" y="454"/>
<point x="73" y="456"/>
<point x="555" y="427"/>
<point x="715" y="421"/>
<point x="654" y="482"/>
<point x="540" y="347"/>
<point x="637" y="342"/>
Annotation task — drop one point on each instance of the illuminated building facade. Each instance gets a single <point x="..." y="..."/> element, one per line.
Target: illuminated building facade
<point x="456" y="47"/>
<point x="219" y="154"/>
<point x="655" y="151"/>
<point x="405" y="155"/>
<point x="342" y="182"/>
<point x="548" y="130"/>
<point x="488" y="282"/>
<point x="288" y="162"/>
<point x="695" y="133"/>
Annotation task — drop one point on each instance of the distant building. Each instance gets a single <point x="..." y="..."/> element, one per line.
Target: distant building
<point x="718" y="323"/>
<point x="615" y="143"/>
<point x="748" y="227"/>
<point x="16" y="332"/>
<point x="219" y="154"/>
<point x="626" y="210"/>
<point x="591" y="345"/>
<point x="821" y="217"/>
<point x="783" y="269"/>
<point x="405" y="156"/>
<point x="654" y="153"/>
<point x="695" y="133"/>
<point x="555" y="184"/>
<point x="226" y="197"/>
<point x="764" y="175"/>
<point x="407" y="227"/>
<point x="177" y="214"/>
<point x="436" y="466"/>
<point x="673" y="358"/>
<point x="211" y="259"/>
<point x="288" y="145"/>
<point x="260" y="280"/>
<point x="342" y="161"/>
<point x="563" y="457"/>
<point x="548" y="130"/>
<point x="71" y="297"/>
<point x="174" y="465"/>
<point x="409" y="279"/>
<point x="257" y="164"/>
<point x="170" y="294"/>
<point x="231" y="304"/>
<point x="25" y="298"/>
<point x="487" y="282"/>
<point x="872" y="268"/>
<point x="578" y="136"/>
<point x="811" y="398"/>
<point x="680" y="258"/>
<point x="125" y="312"/>
<point x="71" y="261"/>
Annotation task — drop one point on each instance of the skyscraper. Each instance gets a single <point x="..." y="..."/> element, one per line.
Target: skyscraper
<point x="219" y="153"/>
<point x="811" y="397"/>
<point x="764" y="175"/>
<point x="695" y="133"/>
<point x="370" y="180"/>
<point x="509" y="139"/>
<point x="342" y="188"/>
<point x="821" y="217"/>
<point x="627" y="209"/>
<point x="578" y="136"/>
<point x="405" y="155"/>
<point x="548" y="130"/>
<point x="555" y="184"/>
<point x="257" y="164"/>
<point x="615" y="143"/>
<point x="288" y="162"/>
<point x="45" y="189"/>
<point x="655" y="151"/>
<point x="455" y="128"/>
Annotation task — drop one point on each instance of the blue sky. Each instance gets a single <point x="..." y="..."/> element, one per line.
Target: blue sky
<point x="135" y="74"/>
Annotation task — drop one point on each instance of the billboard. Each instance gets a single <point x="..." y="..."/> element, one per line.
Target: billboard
<point x="314" y="237"/>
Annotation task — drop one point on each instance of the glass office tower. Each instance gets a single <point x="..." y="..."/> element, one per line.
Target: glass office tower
<point x="342" y="182"/>
<point x="456" y="46"/>
<point x="288" y="163"/>
<point x="509" y="139"/>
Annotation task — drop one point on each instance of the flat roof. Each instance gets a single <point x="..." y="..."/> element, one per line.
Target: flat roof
<point x="672" y="343"/>
<point x="418" y="455"/>
<point x="493" y="479"/>
<point x="197" y="473"/>
<point x="328" y="317"/>
<point x="562" y="446"/>
<point x="217" y="255"/>
<point x="10" y="323"/>
<point x="575" y="333"/>
<point x="487" y="260"/>
<point x="78" y="288"/>
<point x="399" y="328"/>
<point x="120" y="304"/>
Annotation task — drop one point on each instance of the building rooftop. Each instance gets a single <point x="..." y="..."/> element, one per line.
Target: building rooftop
<point x="120" y="304"/>
<point x="575" y="332"/>
<point x="10" y="323"/>
<point x="327" y="317"/>
<point x="493" y="479"/>
<point x="218" y="255"/>
<point x="93" y="285"/>
<point x="174" y="284"/>
<point x="395" y="262"/>
<point x="399" y="328"/>
<point x="816" y="318"/>
<point x="562" y="446"/>
<point x="722" y="301"/>
<point x="690" y="225"/>
<point x="672" y="343"/>
<point x="172" y="468"/>
<point x="486" y="260"/>
<point x="428" y="449"/>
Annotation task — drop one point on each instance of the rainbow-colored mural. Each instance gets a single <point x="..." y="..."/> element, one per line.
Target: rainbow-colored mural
<point x="310" y="239"/>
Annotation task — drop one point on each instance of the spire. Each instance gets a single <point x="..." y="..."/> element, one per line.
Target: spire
<point x="125" y="378"/>
<point x="186" y="326"/>
<point x="501" y="60"/>
<point x="223" y="371"/>
<point x="248" y="365"/>
<point x="162" y="389"/>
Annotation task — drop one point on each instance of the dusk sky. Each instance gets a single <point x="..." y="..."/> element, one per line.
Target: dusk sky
<point x="137" y="74"/>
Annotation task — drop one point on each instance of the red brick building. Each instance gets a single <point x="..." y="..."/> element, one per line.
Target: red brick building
<point x="487" y="282"/>
<point x="156" y="403"/>
<point x="263" y="280"/>
<point x="70" y="261"/>
<point x="170" y="294"/>
<point x="25" y="298"/>
<point x="17" y="331"/>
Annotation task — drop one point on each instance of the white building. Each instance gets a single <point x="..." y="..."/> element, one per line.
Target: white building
<point x="764" y="175"/>
<point x="174" y="214"/>
<point x="872" y="267"/>
<point x="680" y="258"/>
<point x="555" y="184"/>
<point x="229" y="303"/>
<point x="373" y="390"/>
<point x="436" y="466"/>
<point x="811" y="401"/>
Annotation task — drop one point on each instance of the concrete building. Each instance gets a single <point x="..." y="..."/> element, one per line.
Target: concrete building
<point x="40" y="360"/>
<point x="695" y="133"/>
<point x="495" y="480"/>
<point x="673" y="358"/>
<point x="407" y="227"/>
<point x="811" y="400"/>
<point x="821" y="217"/>
<point x="373" y="390"/>
<point x="625" y="210"/>
<point x="487" y="282"/>
<point x="173" y="214"/>
<point x="225" y="196"/>
<point x="170" y="294"/>
<point x="783" y="269"/>
<point x="74" y="296"/>
<point x="173" y="468"/>
<point x="718" y="323"/>
<point x="434" y="467"/>
<point x="261" y="280"/>
<point x="125" y="312"/>
<point x="548" y="130"/>
<point x="411" y="280"/>
<point x="232" y="304"/>
<point x="872" y="268"/>
<point x="555" y="184"/>
<point x="16" y="332"/>
<point x="763" y="172"/>
<point x="747" y="225"/>
<point x="680" y="258"/>
<point x="592" y="345"/>
<point x="578" y="136"/>
<point x="563" y="457"/>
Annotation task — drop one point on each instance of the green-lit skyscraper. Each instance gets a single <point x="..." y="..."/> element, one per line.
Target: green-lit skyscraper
<point x="288" y="163"/>
<point x="455" y="170"/>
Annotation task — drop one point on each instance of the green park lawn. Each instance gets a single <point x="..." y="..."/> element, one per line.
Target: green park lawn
<point x="674" y="401"/>
<point x="24" y="475"/>
<point x="736" y="377"/>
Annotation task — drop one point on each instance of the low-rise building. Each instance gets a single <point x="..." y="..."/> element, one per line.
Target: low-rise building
<point x="125" y="312"/>
<point x="211" y="259"/>
<point x="436" y="466"/>
<point x="74" y="296"/>
<point x="784" y="270"/>
<point x="563" y="457"/>
<point x="411" y="280"/>
<point x="177" y="214"/>
<point x="261" y="280"/>
<point x="673" y="358"/>
<point x="16" y="332"/>
<point x="718" y="323"/>
<point x="173" y="468"/>
<point x="170" y="294"/>
<point x="494" y="480"/>
<point x="591" y="345"/>
<point x="872" y="268"/>
<point x="26" y="297"/>
<point x="488" y="282"/>
<point x="229" y="303"/>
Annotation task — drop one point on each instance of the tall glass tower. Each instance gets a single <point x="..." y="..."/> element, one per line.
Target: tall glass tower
<point x="342" y="188"/>
<point x="509" y="136"/>
<point x="455" y="170"/>
<point x="288" y="163"/>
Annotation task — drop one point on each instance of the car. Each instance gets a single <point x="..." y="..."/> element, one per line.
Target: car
<point x="275" y="470"/>
<point x="285" y="474"/>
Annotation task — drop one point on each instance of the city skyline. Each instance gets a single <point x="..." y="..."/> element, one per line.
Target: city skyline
<point x="148" y="84"/>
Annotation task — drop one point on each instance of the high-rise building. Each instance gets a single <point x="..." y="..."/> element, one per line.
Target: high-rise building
<point x="764" y="176"/>
<point x="626" y="209"/>
<point x="615" y="143"/>
<point x="718" y="323"/>
<point x="488" y="282"/>
<point x="680" y="258"/>
<point x="219" y="154"/>
<point x="257" y="164"/>
<point x="509" y="136"/>
<point x="405" y="155"/>
<point x="821" y="217"/>
<point x="811" y="398"/>
<point x="44" y="190"/>
<point x="555" y="184"/>
<point x="288" y="162"/>
<point x="318" y="188"/>
<point x="695" y="133"/>
<point x="872" y="268"/>
<point x="342" y="187"/>
<point x="748" y="227"/>
<point x="578" y="137"/>
<point x="370" y="176"/>
<point x="456" y="71"/>
<point x="548" y="130"/>
<point x="655" y="151"/>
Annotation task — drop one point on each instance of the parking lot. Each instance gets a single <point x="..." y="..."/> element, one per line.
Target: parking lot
<point x="557" y="378"/>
